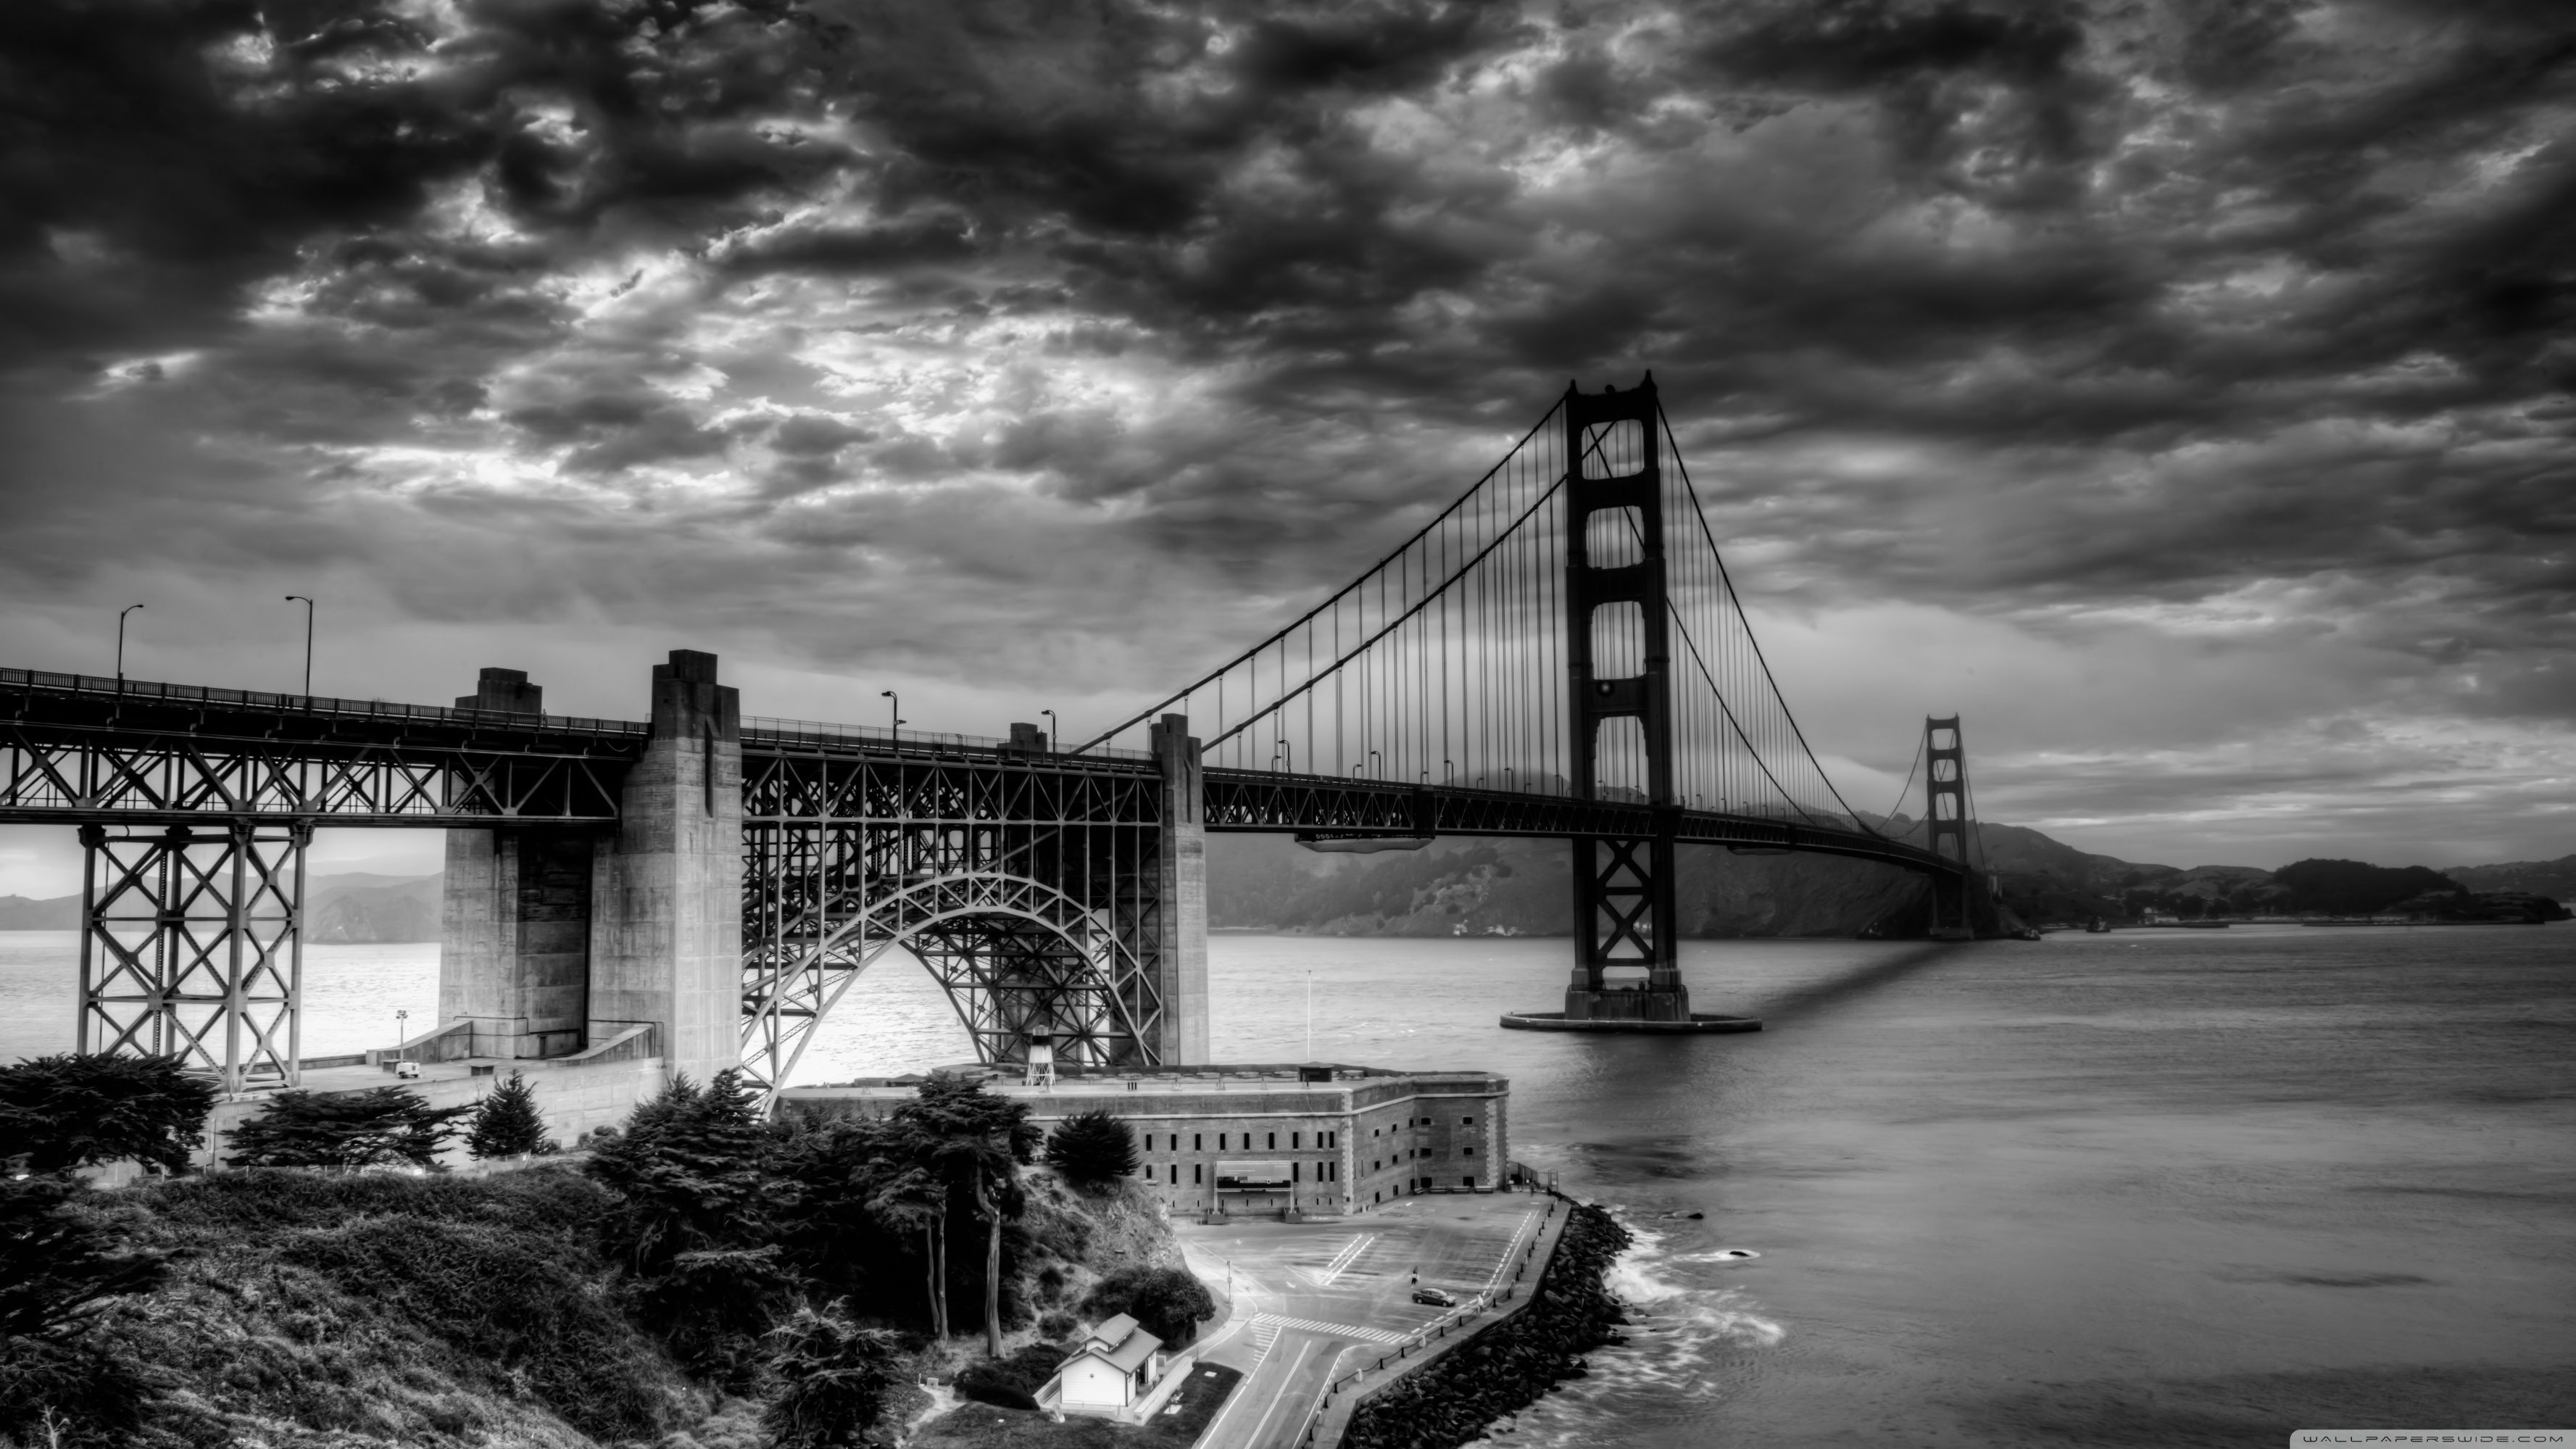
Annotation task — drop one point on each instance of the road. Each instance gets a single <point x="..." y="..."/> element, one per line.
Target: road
<point x="1312" y="1300"/>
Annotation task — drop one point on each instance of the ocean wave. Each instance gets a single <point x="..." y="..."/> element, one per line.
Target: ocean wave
<point x="1679" y="1326"/>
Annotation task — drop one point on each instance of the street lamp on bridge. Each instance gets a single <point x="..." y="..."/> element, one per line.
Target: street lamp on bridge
<point x="894" y="712"/>
<point x="1054" y="731"/>
<point x="120" y="642"/>
<point x="308" y="640"/>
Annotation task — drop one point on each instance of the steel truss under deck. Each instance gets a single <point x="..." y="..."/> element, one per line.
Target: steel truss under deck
<point x="1028" y="884"/>
<point x="192" y="946"/>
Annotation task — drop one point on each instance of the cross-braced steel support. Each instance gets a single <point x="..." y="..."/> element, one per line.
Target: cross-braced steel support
<point x="1618" y="650"/>
<point x="192" y="946"/>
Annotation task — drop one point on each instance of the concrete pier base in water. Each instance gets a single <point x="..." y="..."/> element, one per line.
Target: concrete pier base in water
<point x="1559" y="1021"/>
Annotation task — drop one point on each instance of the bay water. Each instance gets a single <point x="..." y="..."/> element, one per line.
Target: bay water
<point x="2147" y="1188"/>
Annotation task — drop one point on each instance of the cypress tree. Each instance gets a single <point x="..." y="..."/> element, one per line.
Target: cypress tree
<point x="507" y="1123"/>
<point x="1092" y="1148"/>
<point x="80" y="1110"/>
<point x="344" y="1129"/>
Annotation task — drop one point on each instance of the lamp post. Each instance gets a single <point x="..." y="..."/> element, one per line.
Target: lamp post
<point x="307" y="601"/>
<point x="894" y="711"/>
<point x="402" y="1048"/>
<point x="1054" y="730"/>
<point x="120" y="642"/>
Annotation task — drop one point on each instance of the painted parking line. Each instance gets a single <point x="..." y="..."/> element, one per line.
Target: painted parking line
<point x="1275" y="1322"/>
<point x="1341" y="1261"/>
<point x="1511" y="1250"/>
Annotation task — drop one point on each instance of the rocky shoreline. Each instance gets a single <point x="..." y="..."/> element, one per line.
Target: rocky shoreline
<point x="1510" y="1366"/>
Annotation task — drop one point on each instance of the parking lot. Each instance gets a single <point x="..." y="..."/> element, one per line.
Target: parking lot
<point x="1310" y="1300"/>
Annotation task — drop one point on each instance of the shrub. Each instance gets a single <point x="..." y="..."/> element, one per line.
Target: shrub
<point x="833" y="1377"/>
<point x="512" y="1301"/>
<point x="56" y="1273"/>
<point x="1166" y="1302"/>
<point x="345" y="1129"/>
<point x="77" y="1110"/>
<point x="56" y="1270"/>
<point x="1011" y="1382"/>
<point x="507" y="1124"/>
<point x="1092" y="1148"/>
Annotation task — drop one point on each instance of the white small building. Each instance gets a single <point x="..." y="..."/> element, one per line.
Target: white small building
<point x="1117" y="1364"/>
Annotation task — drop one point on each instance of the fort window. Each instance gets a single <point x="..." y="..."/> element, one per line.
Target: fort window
<point x="1467" y="1152"/>
<point x="1271" y="1140"/>
<point x="1198" y="1172"/>
<point x="1197" y="1141"/>
<point x="1467" y="1121"/>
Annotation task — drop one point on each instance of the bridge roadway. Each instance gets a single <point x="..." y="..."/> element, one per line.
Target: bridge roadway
<point x="79" y="749"/>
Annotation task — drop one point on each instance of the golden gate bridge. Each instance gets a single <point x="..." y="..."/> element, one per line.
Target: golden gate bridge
<point x="1561" y="652"/>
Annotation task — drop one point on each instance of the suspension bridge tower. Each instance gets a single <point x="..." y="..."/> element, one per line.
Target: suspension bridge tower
<point x="1945" y="822"/>
<point x="1618" y="638"/>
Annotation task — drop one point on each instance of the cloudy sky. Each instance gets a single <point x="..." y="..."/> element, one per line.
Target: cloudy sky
<point x="2183" y="390"/>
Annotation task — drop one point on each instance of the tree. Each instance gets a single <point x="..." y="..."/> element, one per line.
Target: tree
<point x="2355" y="888"/>
<point x="694" y="1225"/>
<point x="858" y="1191"/>
<point x="507" y="1124"/>
<point x="345" y="1129"/>
<point x="688" y="1166"/>
<point x="1166" y="1302"/>
<point x="974" y="1140"/>
<point x="57" y="1272"/>
<point x="833" y="1377"/>
<point x="1092" y="1148"/>
<point x="915" y="1199"/>
<point x="78" y="1110"/>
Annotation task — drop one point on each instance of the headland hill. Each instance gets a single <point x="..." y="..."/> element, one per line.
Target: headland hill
<point x="1473" y="887"/>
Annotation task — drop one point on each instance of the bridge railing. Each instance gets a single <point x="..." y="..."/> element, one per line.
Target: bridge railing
<point x="762" y="729"/>
<point x="302" y="704"/>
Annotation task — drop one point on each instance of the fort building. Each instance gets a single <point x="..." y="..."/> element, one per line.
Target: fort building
<point x="1268" y="1140"/>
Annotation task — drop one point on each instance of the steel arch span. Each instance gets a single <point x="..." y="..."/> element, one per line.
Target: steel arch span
<point x="1019" y="960"/>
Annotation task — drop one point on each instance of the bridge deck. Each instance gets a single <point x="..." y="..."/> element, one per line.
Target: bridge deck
<point x="79" y="748"/>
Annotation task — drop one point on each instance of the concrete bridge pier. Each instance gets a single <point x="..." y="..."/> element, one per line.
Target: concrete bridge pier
<point x="1181" y="877"/>
<point x="515" y="920"/>
<point x="557" y="942"/>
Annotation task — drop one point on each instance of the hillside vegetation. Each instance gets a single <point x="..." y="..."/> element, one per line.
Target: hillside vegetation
<point x="1468" y="887"/>
<point x="700" y="1279"/>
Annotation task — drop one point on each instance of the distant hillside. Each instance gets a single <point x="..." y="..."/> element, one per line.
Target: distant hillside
<point x="2555" y="879"/>
<point x="47" y="913"/>
<point x="1519" y="887"/>
<point x="1515" y="887"/>
<point x="345" y="912"/>
<point x="352" y="909"/>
